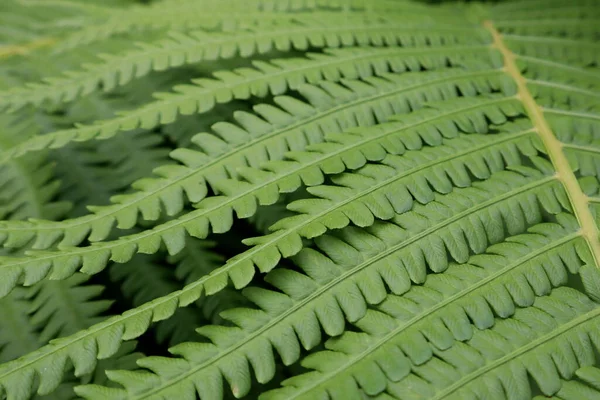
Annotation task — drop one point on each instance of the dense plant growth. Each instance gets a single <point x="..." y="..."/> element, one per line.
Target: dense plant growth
<point x="299" y="199"/>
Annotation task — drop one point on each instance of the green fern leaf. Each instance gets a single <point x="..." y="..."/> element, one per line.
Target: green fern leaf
<point x="336" y="199"/>
<point x="352" y="355"/>
<point x="216" y="212"/>
<point x="199" y="46"/>
<point x="224" y="151"/>
<point x="333" y="290"/>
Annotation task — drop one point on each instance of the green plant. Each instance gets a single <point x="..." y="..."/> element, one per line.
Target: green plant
<point x="299" y="199"/>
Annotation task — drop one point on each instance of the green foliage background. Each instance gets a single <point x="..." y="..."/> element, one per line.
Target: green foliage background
<point x="299" y="199"/>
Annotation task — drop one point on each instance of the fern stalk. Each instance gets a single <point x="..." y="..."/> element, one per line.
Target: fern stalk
<point x="554" y="147"/>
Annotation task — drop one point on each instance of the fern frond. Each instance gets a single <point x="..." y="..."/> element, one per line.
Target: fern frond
<point x="61" y="308"/>
<point x="535" y="5"/>
<point x="187" y="19"/>
<point x="143" y="280"/>
<point x="111" y="166"/>
<point x="342" y="151"/>
<point x="197" y="260"/>
<point x="228" y="15"/>
<point x="49" y="309"/>
<point x="569" y="96"/>
<point x="339" y="284"/>
<point x="577" y="52"/>
<point x="27" y="186"/>
<point x="17" y="333"/>
<point x="201" y="46"/>
<point x="569" y="28"/>
<point x="258" y="140"/>
<point x="24" y="28"/>
<point x="126" y="357"/>
<point x="267" y="216"/>
<point x="348" y="63"/>
<point x="583" y="385"/>
<point x="541" y="338"/>
<point x="432" y="321"/>
<point x="551" y="69"/>
<point x="239" y="270"/>
<point x="517" y="10"/>
<point x="345" y="199"/>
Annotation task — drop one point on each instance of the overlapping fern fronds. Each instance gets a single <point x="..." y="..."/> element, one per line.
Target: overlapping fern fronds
<point x="299" y="199"/>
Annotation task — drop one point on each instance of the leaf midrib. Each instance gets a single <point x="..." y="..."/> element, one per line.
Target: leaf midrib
<point x="568" y="67"/>
<point x="549" y="40"/>
<point x="568" y="113"/>
<point x="507" y="23"/>
<point x="565" y="87"/>
<point x="577" y="198"/>
<point x="580" y="147"/>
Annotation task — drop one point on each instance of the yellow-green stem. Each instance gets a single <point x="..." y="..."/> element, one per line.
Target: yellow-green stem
<point x="579" y="201"/>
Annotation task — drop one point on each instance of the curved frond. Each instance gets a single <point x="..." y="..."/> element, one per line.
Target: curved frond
<point x="256" y="140"/>
<point x="27" y="186"/>
<point x="350" y="272"/>
<point x="205" y="46"/>
<point x="228" y="15"/>
<point x="347" y="63"/>
<point x="343" y="151"/>
<point x="419" y="337"/>
<point x="268" y="249"/>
